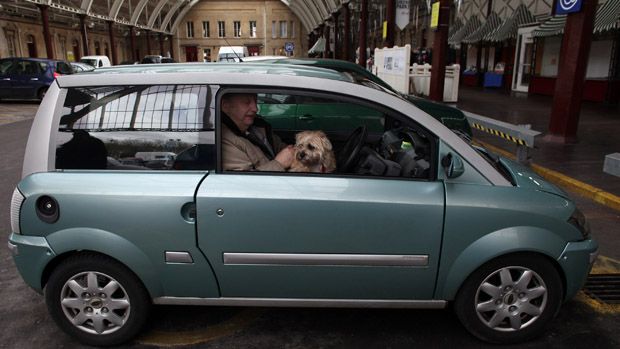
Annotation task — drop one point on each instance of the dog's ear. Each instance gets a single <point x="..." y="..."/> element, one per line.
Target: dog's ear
<point x="327" y="145"/>
<point x="329" y="161"/>
<point x="299" y="136"/>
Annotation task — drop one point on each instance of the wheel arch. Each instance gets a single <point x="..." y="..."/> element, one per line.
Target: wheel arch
<point x="70" y="242"/>
<point x="506" y="242"/>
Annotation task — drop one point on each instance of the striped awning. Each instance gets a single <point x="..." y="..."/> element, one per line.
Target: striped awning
<point x="508" y="29"/>
<point x="466" y="30"/>
<point x="607" y="16"/>
<point x="318" y="47"/>
<point x="552" y="26"/>
<point x="455" y="27"/>
<point x="493" y="22"/>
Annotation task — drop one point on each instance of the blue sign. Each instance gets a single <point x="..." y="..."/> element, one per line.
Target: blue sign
<point x="289" y="47"/>
<point x="567" y="6"/>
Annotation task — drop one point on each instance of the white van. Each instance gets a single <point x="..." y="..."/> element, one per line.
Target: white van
<point x="96" y="61"/>
<point x="232" y="53"/>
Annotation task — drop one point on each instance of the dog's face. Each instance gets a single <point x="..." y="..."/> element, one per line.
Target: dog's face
<point x="311" y="147"/>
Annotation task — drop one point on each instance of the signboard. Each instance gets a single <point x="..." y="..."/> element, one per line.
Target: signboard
<point x="435" y="15"/>
<point x="384" y="35"/>
<point x="394" y="62"/>
<point x="289" y="47"/>
<point x="567" y="6"/>
<point x="402" y="13"/>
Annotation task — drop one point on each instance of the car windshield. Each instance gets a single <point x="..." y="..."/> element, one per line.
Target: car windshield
<point x="92" y="62"/>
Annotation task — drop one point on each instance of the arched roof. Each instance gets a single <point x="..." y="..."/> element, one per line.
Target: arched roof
<point x="165" y="15"/>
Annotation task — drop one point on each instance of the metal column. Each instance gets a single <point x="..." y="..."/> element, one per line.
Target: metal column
<point x="46" y="31"/>
<point x="112" y="42"/>
<point x="440" y="49"/>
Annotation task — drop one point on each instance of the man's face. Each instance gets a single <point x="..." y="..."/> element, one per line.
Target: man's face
<point x="241" y="108"/>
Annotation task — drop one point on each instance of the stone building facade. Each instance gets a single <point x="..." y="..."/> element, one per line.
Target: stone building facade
<point x="265" y="27"/>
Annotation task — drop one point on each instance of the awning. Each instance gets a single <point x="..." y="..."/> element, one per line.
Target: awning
<point x="318" y="47"/>
<point x="508" y="29"/>
<point x="470" y="27"/>
<point x="607" y="16"/>
<point x="492" y="23"/>
<point x="455" y="28"/>
<point x="552" y="26"/>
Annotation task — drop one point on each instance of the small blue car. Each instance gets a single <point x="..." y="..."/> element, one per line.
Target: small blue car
<point x="29" y="78"/>
<point x="412" y="216"/>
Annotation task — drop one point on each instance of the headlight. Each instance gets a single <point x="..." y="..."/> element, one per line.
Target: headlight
<point x="581" y="223"/>
<point x="16" y="205"/>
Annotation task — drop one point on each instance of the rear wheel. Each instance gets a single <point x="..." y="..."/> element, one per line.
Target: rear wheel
<point x="510" y="299"/>
<point x="41" y="93"/>
<point x="97" y="300"/>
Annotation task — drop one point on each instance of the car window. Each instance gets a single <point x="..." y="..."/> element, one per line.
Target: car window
<point x="64" y="68"/>
<point x="164" y="127"/>
<point x="364" y="139"/>
<point x="5" y="66"/>
<point x="26" y="68"/>
<point x="42" y="66"/>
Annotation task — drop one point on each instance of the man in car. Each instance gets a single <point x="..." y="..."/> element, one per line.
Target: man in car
<point x="248" y="144"/>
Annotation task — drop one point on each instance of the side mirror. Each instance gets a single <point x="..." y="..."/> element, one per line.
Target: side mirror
<point x="453" y="165"/>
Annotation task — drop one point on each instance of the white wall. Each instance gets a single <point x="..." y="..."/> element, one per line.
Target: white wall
<point x="598" y="61"/>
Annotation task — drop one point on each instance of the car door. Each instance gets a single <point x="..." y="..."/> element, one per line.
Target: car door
<point x="315" y="113"/>
<point x="27" y="79"/>
<point x="328" y="236"/>
<point x="6" y="67"/>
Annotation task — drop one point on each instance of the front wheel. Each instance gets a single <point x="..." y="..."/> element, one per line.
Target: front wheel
<point x="97" y="300"/>
<point x="510" y="299"/>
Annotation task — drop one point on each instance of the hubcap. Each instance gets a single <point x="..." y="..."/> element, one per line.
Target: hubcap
<point x="95" y="303"/>
<point x="511" y="298"/>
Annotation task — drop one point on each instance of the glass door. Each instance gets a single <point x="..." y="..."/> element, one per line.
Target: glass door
<point x="523" y="60"/>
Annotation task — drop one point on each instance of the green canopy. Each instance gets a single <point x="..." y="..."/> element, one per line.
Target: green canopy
<point x="508" y="30"/>
<point x="492" y="23"/>
<point x="466" y="30"/>
<point x="607" y="17"/>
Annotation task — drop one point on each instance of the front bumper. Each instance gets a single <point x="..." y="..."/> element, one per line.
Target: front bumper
<point x="576" y="260"/>
<point x="31" y="255"/>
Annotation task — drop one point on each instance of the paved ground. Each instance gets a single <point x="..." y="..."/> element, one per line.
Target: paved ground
<point x="26" y="324"/>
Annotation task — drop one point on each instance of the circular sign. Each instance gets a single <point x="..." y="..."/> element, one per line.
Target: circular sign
<point x="567" y="5"/>
<point x="289" y="47"/>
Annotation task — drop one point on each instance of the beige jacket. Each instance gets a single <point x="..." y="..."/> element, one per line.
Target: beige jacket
<point x="239" y="154"/>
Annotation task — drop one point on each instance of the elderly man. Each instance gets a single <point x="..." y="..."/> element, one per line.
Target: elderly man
<point x="247" y="141"/>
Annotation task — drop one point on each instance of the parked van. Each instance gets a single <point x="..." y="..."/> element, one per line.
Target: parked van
<point x="96" y="61"/>
<point x="232" y="53"/>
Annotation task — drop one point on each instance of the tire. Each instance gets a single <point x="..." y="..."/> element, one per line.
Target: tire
<point x="41" y="93"/>
<point x="97" y="300"/>
<point x="510" y="299"/>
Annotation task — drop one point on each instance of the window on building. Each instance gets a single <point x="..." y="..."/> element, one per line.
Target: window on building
<point x="283" y="29"/>
<point x="252" y="29"/>
<point x="237" y="29"/>
<point x="206" y="32"/>
<point x="274" y="32"/>
<point x="32" y="46"/>
<point x="190" y="29"/>
<point x="292" y="29"/>
<point x="221" y="29"/>
<point x="10" y="42"/>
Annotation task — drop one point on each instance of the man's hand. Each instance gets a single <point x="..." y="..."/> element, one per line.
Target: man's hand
<point x="285" y="156"/>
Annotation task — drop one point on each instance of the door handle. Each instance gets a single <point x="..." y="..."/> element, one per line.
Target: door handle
<point x="306" y="117"/>
<point x="34" y="79"/>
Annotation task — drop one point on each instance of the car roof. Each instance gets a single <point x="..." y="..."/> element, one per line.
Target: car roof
<point x="34" y="59"/>
<point x="249" y="68"/>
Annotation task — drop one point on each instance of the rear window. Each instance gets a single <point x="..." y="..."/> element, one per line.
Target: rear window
<point x="137" y="128"/>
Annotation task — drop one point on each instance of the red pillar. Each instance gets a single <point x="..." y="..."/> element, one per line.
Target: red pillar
<point x="112" y="42"/>
<point x="46" y="31"/>
<point x="171" y="46"/>
<point x="161" y="44"/>
<point x="84" y="34"/>
<point x="363" y="32"/>
<point x="390" y="17"/>
<point x="148" y="42"/>
<point x="335" y="55"/>
<point x="440" y="49"/>
<point x="571" y="74"/>
<point x="132" y="43"/>
<point x="346" y="40"/>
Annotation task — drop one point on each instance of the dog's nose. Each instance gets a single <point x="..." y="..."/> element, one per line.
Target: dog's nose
<point x="301" y="155"/>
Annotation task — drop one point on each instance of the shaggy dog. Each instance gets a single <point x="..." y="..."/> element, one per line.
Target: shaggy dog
<point x="313" y="153"/>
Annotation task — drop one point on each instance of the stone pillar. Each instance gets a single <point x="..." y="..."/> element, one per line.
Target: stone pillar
<point x="440" y="50"/>
<point x="346" y="40"/>
<point x="84" y="35"/>
<point x="112" y="42"/>
<point x="363" y="32"/>
<point x="46" y="31"/>
<point x="571" y="74"/>
<point x="390" y="17"/>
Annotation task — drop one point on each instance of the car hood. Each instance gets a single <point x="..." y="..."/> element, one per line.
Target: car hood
<point x="525" y="177"/>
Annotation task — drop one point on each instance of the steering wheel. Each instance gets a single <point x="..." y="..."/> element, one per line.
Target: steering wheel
<point x="351" y="150"/>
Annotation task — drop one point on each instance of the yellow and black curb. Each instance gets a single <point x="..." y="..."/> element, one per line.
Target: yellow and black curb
<point x="591" y="192"/>
<point x="498" y="133"/>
